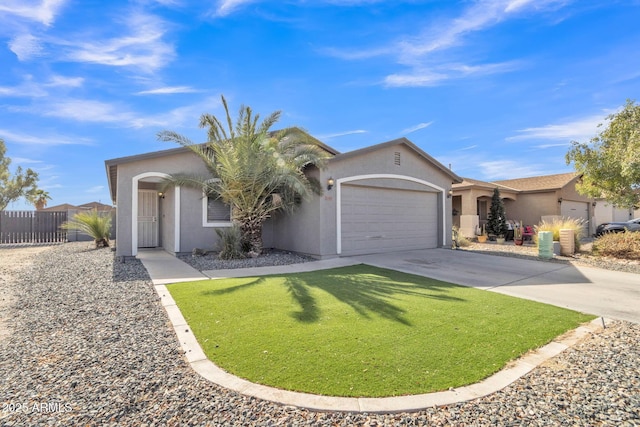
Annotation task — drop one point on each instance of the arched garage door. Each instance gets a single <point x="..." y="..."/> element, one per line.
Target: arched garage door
<point x="375" y="219"/>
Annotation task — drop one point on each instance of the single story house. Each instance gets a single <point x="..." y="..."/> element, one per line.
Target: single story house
<point x="385" y="197"/>
<point x="607" y="212"/>
<point x="529" y="200"/>
<point x="100" y="207"/>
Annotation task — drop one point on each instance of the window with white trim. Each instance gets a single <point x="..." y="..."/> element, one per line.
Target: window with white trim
<point x="215" y="213"/>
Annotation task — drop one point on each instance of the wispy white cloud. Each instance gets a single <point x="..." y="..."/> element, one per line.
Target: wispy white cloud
<point x="26" y="89"/>
<point x="470" y="147"/>
<point x="167" y="90"/>
<point x="85" y="110"/>
<point x="29" y="88"/>
<point x="415" y="128"/>
<point x="226" y="7"/>
<point x="49" y="139"/>
<point x="579" y="130"/>
<point x="438" y="74"/>
<point x="24" y="160"/>
<point x="116" y="114"/>
<point x="545" y="146"/>
<point x="42" y="11"/>
<point x="62" y="81"/>
<point x="141" y="45"/>
<point x="26" y="46"/>
<point x="508" y="169"/>
<point x="339" y="134"/>
<point x="418" y="52"/>
<point x="94" y="189"/>
<point x="477" y="17"/>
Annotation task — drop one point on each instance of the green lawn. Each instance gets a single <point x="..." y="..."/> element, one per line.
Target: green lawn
<point x="363" y="331"/>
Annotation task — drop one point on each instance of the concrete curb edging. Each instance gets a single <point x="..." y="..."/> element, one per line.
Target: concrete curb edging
<point x="208" y="370"/>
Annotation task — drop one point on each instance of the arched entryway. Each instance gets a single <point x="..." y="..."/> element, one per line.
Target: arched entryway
<point x="153" y="212"/>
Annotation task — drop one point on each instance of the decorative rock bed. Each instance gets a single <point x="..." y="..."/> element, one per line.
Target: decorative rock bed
<point x="88" y="343"/>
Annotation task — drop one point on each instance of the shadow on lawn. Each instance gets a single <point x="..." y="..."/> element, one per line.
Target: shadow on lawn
<point x="236" y="288"/>
<point x="368" y="292"/>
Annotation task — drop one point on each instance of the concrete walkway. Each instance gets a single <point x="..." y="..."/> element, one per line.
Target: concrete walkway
<point x="164" y="269"/>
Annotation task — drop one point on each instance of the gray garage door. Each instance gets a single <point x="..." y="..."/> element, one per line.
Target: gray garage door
<point x="381" y="220"/>
<point x="579" y="210"/>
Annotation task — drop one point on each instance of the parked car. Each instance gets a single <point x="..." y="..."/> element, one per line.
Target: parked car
<point x="618" y="227"/>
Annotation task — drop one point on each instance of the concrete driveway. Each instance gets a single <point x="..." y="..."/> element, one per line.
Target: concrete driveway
<point x="607" y="293"/>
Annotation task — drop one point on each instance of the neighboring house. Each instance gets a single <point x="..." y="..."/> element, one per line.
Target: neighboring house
<point x="529" y="200"/>
<point x="71" y="210"/>
<point x="386" y="197"/>
<point x="606" y="212"/>
<point x="100" y="207"/>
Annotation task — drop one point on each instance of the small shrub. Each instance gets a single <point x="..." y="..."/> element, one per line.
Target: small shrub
<point x="231" y="242"/>
<point x="577" y="225"/>
<point x="458" y="240"/>
<point x="618" y="245"/>
<point x="463" y="242"/>
<point x="93" y="224"/>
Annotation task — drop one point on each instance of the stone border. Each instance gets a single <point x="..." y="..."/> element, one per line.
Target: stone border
<point x="516" y="369"/>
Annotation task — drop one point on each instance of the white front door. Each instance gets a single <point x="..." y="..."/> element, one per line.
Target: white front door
<point x="147" y="218"/>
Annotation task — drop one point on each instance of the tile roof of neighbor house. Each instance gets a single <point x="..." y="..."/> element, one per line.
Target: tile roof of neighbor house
<point x="96" y="205"/>
<point x="531" y="184"/>
<point x="91" y="205"/>
<point x="540" y="183"/>
<point x="469" y="182"/>
<point x="62" y="207"/>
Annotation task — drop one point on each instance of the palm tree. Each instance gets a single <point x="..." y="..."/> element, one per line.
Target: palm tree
<point x="253" y="170"/>
<point x="93" y="224"/>
<point x="39" y="198"/>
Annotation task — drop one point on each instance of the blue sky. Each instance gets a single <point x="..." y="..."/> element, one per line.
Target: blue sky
<point x="496" y="88"/>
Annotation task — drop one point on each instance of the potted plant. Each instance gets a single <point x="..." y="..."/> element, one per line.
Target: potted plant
<point x="482" y="237"/>
<point x="517" y="234"/>
<point x="500" y="239"/>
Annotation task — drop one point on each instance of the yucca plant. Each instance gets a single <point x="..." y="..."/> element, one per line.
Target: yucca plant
<point x="92" y="224"/>
<point x="231" y="242"/>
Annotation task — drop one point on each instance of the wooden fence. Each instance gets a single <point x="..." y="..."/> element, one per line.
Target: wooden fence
<point x="32" y="227"/>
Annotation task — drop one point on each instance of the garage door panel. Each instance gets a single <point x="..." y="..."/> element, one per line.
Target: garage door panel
<point x="379" y="220"/>
<point x="578" y="210"/>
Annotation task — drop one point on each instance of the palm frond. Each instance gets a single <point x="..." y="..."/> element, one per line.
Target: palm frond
<point x="93" y="224"/>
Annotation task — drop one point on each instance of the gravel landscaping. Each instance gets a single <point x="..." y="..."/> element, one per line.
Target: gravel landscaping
<point x="530" y="251"/>
<point x="88" y="343"/>
<point x="269" y="257"/>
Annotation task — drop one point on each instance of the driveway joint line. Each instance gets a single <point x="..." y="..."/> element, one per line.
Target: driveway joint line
<point x="526" y="278"/>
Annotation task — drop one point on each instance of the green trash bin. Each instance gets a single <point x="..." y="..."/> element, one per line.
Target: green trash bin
<point x="545" y="244"/>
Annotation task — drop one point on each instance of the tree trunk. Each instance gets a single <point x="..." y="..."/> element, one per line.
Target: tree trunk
<point x="252" y="235"/>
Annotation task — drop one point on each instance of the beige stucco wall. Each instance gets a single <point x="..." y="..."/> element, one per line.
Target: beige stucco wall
<point x="530" y="207"/>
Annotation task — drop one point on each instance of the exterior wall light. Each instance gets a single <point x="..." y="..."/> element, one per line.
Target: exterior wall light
<point x="330" y="183"/>
<point x="559" y="199"/>
<point x="450" y="193"/>
<point x="161" y="195"/>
